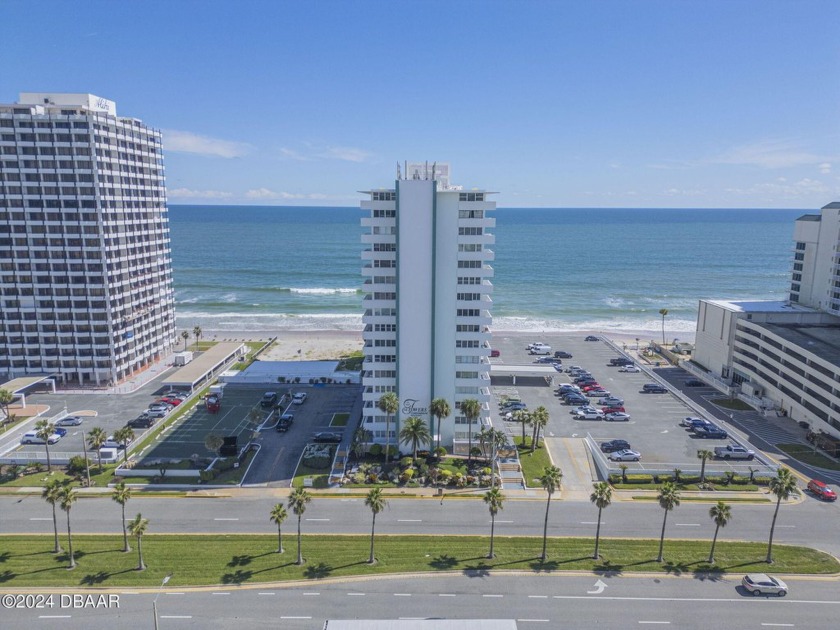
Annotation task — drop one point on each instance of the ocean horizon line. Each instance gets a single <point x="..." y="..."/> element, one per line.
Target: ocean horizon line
<point x="561" y="208"/>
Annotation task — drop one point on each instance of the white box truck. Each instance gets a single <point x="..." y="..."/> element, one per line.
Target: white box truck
<point x="182" y="358"/>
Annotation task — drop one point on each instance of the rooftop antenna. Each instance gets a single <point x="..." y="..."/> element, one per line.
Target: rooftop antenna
<point x="399" y="176"/>
<point x="434" y="168"/>
<point x="405" y="168"/>
<point x="427" y="170"/>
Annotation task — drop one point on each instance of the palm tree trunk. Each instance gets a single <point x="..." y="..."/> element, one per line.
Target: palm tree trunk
<point x="545" y="527"/>
<point x="55" y="530"/>
<point x="140" y="566"/>
<point x="300" y="556"/>
<point x="703" y="470"/>
<point x="125" y="454"/>
<point x="469" y="441"/>
<point x="714" y="541"/>
<point x="126" y="548"/>
<point x="662" y="537"/>
<point x="70" y="543"/>
<point x="371" y="560"/>
<point x="99" y="458"/>
<point x="387" y="436"/>
<point x="598" y="535"/>
<point x="492" y="534"/>
<point x="772" y="528"/>
<point x="279" y="540"/>
<point x="523" y="432"/>
<point x="47" y="448"/>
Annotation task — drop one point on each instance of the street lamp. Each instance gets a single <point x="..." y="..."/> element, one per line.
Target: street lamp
<point x="154" y="602"/>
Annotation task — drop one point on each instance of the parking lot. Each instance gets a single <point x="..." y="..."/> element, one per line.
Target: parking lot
<point x="653" y="429"/>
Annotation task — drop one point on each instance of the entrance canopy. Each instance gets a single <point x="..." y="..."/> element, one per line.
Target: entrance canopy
<point x="546" y="372"/>
<point x="204" y="366"/>
<point x="17" y="385"/>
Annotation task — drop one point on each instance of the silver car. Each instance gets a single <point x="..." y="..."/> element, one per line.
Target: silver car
<point x="625" y="456"/>
<point x="69" y="421"/>
<point x="763" y="584"/>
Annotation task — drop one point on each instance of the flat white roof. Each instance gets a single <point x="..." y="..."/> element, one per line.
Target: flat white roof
<point x="204" y="363"/>
<point x="17" y="384"/>
<point x="503" y="368"/>
<point x="760" y="306"/>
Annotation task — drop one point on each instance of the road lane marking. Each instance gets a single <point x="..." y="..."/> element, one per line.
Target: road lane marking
<point x="782" y="625"/>
<point x="225" y="519"/>
<point x="356" y="594"/>
<point x="312" y="593"/>
<point x="409" y="520"/>
<point x="662" y="622"/>
<point x="173" y="593"/>
<point x="53" y="616"/>
<point x="534" y="620"/>
<point x="317" y="519"/>
<point x="266" y="593"/>
<point x="695" y="599"/>
<point x="40" y="518"/>
<point x="687" y="524"/>
<point x="176" y="616"/>
<point x="221" y="593"/>
<point x="537" y="596"/>
<point x="497" y="522"/>
<point x="491" y="595"/>
<point x="129" y="592"/>
<point x="447" y="595"/>
<point x="290" y="617"/>
<point x="402" y="594"/>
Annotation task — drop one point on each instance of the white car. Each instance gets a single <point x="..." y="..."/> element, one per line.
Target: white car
<point x="590" y="415"/>
<point x="629" y="368"/>
<point x="69" y="421"/>
<point x="625" y="456"/>
<point x="612" y="401"/>
<point x="585" y="409"/>
<point x="598" y="393"/>
<point x="617" y="416"/>
<point x="299" y="398"/>
<point x="763" y="584"/>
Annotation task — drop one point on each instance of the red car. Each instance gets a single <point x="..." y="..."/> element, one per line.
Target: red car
<point x="821" y="491"/>
<point x="591" y="386"/>
<point x="171" y="401"/>
<point x="495" y="353"/>
<point x="607" y="410"/>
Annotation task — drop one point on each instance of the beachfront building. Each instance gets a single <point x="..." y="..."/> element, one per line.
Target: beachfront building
<point x="783" y="356"/>
<point x="426" y="264"/>
<point x="85" y="262"/>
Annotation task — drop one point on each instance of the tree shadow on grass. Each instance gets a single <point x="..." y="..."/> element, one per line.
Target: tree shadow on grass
<point x="240" y="561"/>
<point x="237" y="577"/>
<point x="539" y="565"/>
<point x="608" y="569"/>
<point x="443" y="562"/>
<point x="316" y="571"/>
<point x="6" y="576"/>
<point x="5" y="556"/>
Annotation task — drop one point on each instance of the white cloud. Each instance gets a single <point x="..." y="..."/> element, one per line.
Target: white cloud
<point x="188" y="142"/>
<point x="265" y="193"/>
<point x="294" y="155"/>
<point x="199" y="194"/>
<point x="782" y="188"/>
<point x="348" y="154"/>
<point x="769" y="154"/>
<point x="825" y="168"/>
<point x="309" y="153"/>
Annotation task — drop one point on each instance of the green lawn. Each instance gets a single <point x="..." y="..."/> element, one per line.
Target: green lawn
<point x="320" y="476"/>
<point x="249" y="559"/>
<point x="732" y="403"/>
<point x="806" y="455"/>
<point x="339" y="419"/>
<point x="533" y="464"/>
<point x="709" y="498"/>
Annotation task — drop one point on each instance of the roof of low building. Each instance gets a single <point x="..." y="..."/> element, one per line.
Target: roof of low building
<point x="820" y="341"/>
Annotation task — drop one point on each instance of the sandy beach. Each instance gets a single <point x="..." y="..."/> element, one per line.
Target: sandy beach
<point x="319" y="345"/>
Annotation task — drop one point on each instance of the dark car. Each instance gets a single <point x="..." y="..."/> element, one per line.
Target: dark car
<point x="711" y="431"/>
<point x="143" y="422"/>
<point x="495" y="353"/>
<point x="614" y="445"/>
<point x="620" y="361"/>
<point x="60" y="431"/>
<point x="562" y="354"/>
<point x="285" y="422"/>
<point x="694" y="382"/>
<point x="269" y="399"/>
<point x="324" y="436"/>
<point x="653" y="388"/>
<point x="591" y="338"/>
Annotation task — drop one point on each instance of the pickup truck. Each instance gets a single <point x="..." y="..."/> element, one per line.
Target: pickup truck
<point x="733" y="451"/>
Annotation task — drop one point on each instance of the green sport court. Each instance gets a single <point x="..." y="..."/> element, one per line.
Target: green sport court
<point x="186" y="437"/>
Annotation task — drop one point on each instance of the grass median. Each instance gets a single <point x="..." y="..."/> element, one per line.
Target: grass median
<point x="194" y="560"/>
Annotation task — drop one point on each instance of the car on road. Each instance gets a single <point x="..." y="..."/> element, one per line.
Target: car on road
<point x="694" y="382"/>
<point x="613" y="401"/>
<point x="268" y="399"/>
<point x="69" y="421"/>
<point x="625" y="455"/>
<point x="632" y="369"/>
<point x="617" y="416"/>
<point x="562" y="354"/>
<point x="589" y="415"/>
<point x="614" y="445"/>
<point x="299" y="398"/>
<point x="495" y="353"/>
<point x="591" y="338"/>
<point x="285" y="422"/>
<point x="653" y="388"/>
<point x="710" y="431"/>
<point x="763" y="584"/>
<point x="143" y="422"/>
<point x="820" y="490"/>
<point x="327" y="437"/>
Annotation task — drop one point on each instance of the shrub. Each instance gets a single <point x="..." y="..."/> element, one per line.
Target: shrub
<point x="77" y="465"/>
<point x="761" y="481"/>
<point x="440" y="451"/>
<point x="444" y="475"/>
<point x="207" y="475"/>
<point x="614" y="478"/>
<point x="392" y="451"/>
<point x="405" y="462"/>
<point x="376" y="450"/>
<point x="225" y="463"/>
<point x="407" y="475"/>
<point x="486" y="470"/>
<point x="640" y="478"/>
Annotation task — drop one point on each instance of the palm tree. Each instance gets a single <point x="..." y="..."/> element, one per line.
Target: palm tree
<point x="440" y="409"/>
<point x="361" y="437"/>
<point x="297" y="502"/>
<point x="138" y="527"/>
<point x="495" y="502"/>
<point x="522" y="416"/>
<point x="623" y="468"/>
<point x="783" y="485"/>
<point x="602" y="497"/>
<point x="539" y="419"/>
<point x="550" y="481"/>
<point x="66" y="498"/>
<point x="6" y="399"/>
<point x="197" y="335"/>
<point x="52" y="494"/>
<point x="376" y="502"/>
<point x="124" y="435"/>
<point x="704" y="455"/>
<point x="44" y="430"/>
<point x="213" y="442"/>
<point x="471" y="409"/>
<point x="121" y="495"/>
<point x="278" y="516"/>
<point x="96" y="438"/>
<point x="186" y="335"/>
<point x="415" y="432"/>
<point x="664" y="313"/>
<point x="669" y="498"/>
<point x="388" y="404"/>
<point x="720" y="514"/>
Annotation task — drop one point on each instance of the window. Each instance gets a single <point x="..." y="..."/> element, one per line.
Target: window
<point x="384" y="263"/>
<point x="470" y="214"/>
<point x="470" y="231"/>
<point x="471" y="197"/>
<point x="384" y="214"/>
<point x="384" y="247"/>
<point x="799" y="256"/>
<point x="469" y="247"/>
<point x="467" y="328"/>
<point x="468" y="296"/>
<point x="469" y="280"/>
<point x="384" y="196"/>
<point x="466" y="374"/>
<point x="800" y="246"/>
<point x="467" y="343"/>
<point x="468" y="312"/>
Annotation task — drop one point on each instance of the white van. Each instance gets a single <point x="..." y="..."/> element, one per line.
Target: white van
<point x="540" y="348"/>
<point x="31" y="437"/>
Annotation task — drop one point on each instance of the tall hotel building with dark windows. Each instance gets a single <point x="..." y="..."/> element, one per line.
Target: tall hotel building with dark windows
<point x="427" y="318"/>
<point x="85" y="262"/>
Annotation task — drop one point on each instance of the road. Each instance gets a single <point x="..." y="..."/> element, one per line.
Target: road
<point x="801" y="524"/>
<point x="533" y="601"/>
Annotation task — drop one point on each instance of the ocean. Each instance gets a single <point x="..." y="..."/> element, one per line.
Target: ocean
<point x="255" y="268"/>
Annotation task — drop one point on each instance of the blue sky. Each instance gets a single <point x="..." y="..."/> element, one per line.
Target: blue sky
<point x="676" y="103"/>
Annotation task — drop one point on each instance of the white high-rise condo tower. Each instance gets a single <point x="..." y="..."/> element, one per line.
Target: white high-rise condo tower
<point x="85" y="259"/>
<point x="427" y="304"/>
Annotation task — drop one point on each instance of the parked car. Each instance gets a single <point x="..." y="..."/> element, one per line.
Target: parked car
<point x="495" y="353"/>
<point x="763" y="584"/>
<point x="30" y="437"/>
<point x="583" y="409"/>
<point x="326" y="436"/>
<point x="591" y="338"/>
<point x="285" y="422"/>
<point x="613" y="409"/>
<point x="617" y="416"/>
<point x="711" y="431"/>
<point x="540" y="348"/>
<point x="159" y="406"/>
<point x="632" y="369"/>
<point x="157" y="413"/>
<point x="574" y="368"/>
<point x="614" y="445"/>
<point x="591" y="386"/>
<point x="690" y="421"/>
<point x="585" y="380"/>
<point x="652" y="388"/>
<point x="517" y="406"/>
<point x="562" y="354"/>
<point x="694" y="382"/>
<point x="268" y="400"/>
<point x="299" y="398"/>
<point x="590" y="415"/>
<point x="567" y="387"/>
<point x="575" y="399"/>
<point x="734" y="451"/>
<point x="625" y="455"/>
<point x="597" y="393"/>
<point x="112" y="443"/>
<point x="546" y="360"/>
<point x="620" y="361"/>
<point x="613" y="401"/>
<point x="60" y="431"/>
<point x="171" y="400"/>
<point x="558" y="367"/>
<point x="69" y="421"/>
<point x="821" y="490"/>
<point x="142" y="422"/>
